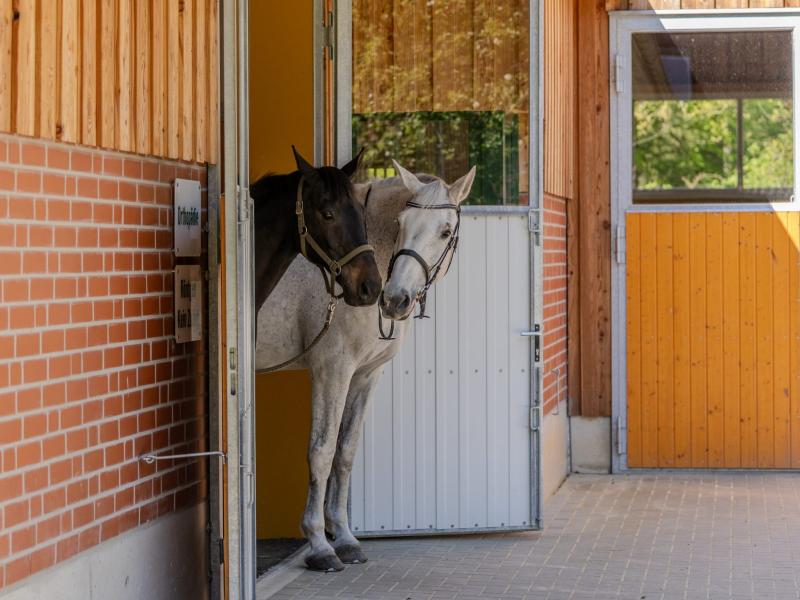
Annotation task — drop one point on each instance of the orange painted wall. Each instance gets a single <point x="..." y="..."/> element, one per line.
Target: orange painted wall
<point x="281" y="114"/>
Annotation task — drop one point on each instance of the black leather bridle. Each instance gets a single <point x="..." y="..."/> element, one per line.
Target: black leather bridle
<point x="431" y="271"/>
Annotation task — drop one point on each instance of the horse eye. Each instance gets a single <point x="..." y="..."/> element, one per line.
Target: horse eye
<point x="447" y="232"/>
<point x="328" y="215"/>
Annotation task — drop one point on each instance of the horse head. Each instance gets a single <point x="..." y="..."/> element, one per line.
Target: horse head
<point x="426" y="242"/>
<point x="333" y="215"/>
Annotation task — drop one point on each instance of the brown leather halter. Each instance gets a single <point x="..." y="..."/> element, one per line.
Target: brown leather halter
<point x="334" y="267"/>
<point x="431" y="271"/>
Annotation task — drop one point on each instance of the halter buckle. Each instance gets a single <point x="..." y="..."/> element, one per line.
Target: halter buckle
<point x="335" y="268"/>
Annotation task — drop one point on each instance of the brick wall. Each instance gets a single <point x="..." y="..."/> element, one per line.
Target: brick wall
<point x="90" y="377"/>
<point x="555" y="301"/>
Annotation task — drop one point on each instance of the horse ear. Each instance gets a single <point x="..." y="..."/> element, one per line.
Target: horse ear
<point x="360" y="192"/>
<point x="351" y="168"/>
<point x="410" y="180"/>
<point x="302" y="165"/>
<point x="460" y="189"/>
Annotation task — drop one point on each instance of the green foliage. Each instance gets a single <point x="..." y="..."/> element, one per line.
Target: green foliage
<point x="693" y="144"/>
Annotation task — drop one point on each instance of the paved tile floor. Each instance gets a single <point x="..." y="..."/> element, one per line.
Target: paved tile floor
<point x="643" y="536"/>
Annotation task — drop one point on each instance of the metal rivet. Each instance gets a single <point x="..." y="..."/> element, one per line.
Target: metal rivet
<point x="408" y="526"/>
<point x="476" y="370"/>
<point x="502" y="524"/>
<point x="451" y="525"/>
<point x="356" y="528"/>
<point x="406" y="372"/>
<point x="451" y="371"/>
<point x="381" y="526"/>
<point x="429" y="371"/>
<point x="501" y="370"/>
<point x="430" y="526"/>
<point x="476" y="524"/>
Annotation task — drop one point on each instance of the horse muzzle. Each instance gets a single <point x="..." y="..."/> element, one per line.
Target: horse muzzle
<point x="397" y="304"/>
<point x="360" y="280"/>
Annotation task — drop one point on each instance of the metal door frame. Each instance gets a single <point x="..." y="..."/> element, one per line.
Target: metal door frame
<point x="622" y="25"/>
<point x="343" y="146"/>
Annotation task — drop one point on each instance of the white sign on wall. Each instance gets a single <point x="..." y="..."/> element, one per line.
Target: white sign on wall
<point x="188" y="303"/>
<point x="186" y="198"/>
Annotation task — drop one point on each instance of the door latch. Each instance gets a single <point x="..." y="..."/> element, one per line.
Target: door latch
<point x="536" y="334"/>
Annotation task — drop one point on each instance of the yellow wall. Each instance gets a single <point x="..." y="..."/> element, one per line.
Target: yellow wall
<point x="281" y="114"/>
<point x="713" y="340"/>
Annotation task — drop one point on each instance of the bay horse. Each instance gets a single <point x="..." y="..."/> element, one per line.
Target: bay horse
<point x="316" y="212"/>
<point x="413" y="225"/>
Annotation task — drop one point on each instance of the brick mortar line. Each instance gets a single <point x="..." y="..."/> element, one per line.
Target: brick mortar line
<point x="69" y="326"/>
<point x="97" y="423"/>
<point x="84" y="225"/>
<point x="79" y="453"/>
<point x="81" y="299"/>
<point x="24" y="387"/>
<point x="70" y="146"/>
<point x="45" y="196"/>
<point x="72" y="275"/>
<point x="70" y="172"/>
<point x="78" y="531"/>
<point x="70" y="353"/>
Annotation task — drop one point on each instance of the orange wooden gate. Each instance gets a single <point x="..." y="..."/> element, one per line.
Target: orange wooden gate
<point x="713" y="339"/>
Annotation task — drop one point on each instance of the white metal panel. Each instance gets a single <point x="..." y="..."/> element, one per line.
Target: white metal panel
<point x="447" y="443"/>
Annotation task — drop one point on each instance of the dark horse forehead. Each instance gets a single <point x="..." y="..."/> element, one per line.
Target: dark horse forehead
<point x="335" y="182"/>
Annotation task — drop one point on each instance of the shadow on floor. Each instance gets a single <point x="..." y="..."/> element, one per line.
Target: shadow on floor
<point x="270" y="552"/>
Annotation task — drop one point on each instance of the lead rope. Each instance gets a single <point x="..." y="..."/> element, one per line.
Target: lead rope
<point x="302" y="231"/>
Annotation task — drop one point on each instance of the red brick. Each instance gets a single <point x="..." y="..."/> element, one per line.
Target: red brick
<point x="34" y="370"/>
<point x="108" y="189"/>
<point x="29" y="454"/>
<point x="16" y="513"/>
<point x="57" y="210"/>
<point x="81" y="161"/>
<point x="35" y="425"/>
<point x="55" y="185"/>
<point x="29" y="399"/>
<point x="65" y="237"/>
<point x="54" y="394"/>
<point x="15" y="290"/>
<point x="40" y="235"/>
<point x="10" y="263"/>
<point x="10" y="432"/>
<point x="29" y="182"/>
<point x="7" y="346"/>
<point x="59" y="367"/>
<point x="48" y="529"/>
<point x="35" y="480"/>
<point x="112" y="166"/>
<point x="57" y="158"/>
<point x="18" y="569"/>
<point x="21" y="208"/>
<point x="103" y="507"/>
<point x="42" y="559"/>
<point x="93" y="460"/>
<point x="6" y="179"/>
<point x="34" y="262"/>
<point x="57" y="314"/>
<point x="67" y="548"/>
<point x="27" y="344"/>
<point x="80" y="211"/>
<point x="114" y="454"/>
<point x="132" y="168"/>
<point x="7" y="234"/>
<point x="60" y="471"/>
<point x="54" y="446"/>
<point x="41" y="289"/>
<point x="76" y="390"/>
<point x="33" y="155"/>
<point x="87" y="187"/>
<point x="92" y="411"/>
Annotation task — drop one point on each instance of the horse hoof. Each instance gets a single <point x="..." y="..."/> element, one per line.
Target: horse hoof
<point x="351" y="554"/>
<point x="328" y="563"/>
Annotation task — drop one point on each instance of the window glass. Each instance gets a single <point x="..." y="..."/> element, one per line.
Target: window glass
<point x="443" y="86"/>
<point x="712" y="117"/>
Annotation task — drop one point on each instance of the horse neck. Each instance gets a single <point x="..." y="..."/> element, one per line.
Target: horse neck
<point x="275" y="230"/>
<point x="388" y="199"/>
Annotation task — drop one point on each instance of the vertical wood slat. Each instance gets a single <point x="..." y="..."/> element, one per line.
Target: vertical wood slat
<point x="6" y="72"/>
<point x="47" y="53"/>
<point x="70" y="93"/>
<point x="26" y="68"/>
<point x="126" y="136"/>
<point x="89" y="73"/>
<point x="201" y="81"/>
<point x="174" y="66"/>
<point x="682" y="300"/>
<point x="213" y="123"/>
<point x="159" y="67"/>
<point x="730" y="339"/>
<point x="697" y="278"/>
<point x="781" y="340"/>
<point x="186" y="29"/>
<point x="649" y="343"/>
<point x="747" y="340"/>
<point x="794" y="356"/>
<point x="665" y="412"/>
<point x="142" y="89"/>
<point x="109" y="27"/>
<point x="764" y="341"/>
<point x="634" y="344"/>
<point x="714" y="273"/>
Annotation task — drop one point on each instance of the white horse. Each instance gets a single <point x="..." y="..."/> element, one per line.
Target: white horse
<point x="345" y="365"/>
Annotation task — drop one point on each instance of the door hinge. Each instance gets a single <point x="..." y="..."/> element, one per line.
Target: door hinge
<point x="619" y="245"/>
<point x="232" y="368"/>
<point x="617" y="74"/>
<point x="535" y="418"/>
<point x="535" y="225"/>
<point x="621" y="437"/>
<point x="328" y="34"/>
<point x="244" y="203"/>
<point x="221" y="543"/>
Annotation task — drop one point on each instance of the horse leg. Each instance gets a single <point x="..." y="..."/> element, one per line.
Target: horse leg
<point x="345" y="544"/>
<point x="328" y="395"/>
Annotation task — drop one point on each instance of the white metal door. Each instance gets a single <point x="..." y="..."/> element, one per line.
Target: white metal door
<point x="447" y="441"/>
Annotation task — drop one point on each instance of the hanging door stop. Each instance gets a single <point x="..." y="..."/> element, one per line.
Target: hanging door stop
<point x="151" y="458"/>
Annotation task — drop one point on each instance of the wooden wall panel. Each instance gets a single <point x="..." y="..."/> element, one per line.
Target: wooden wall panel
<point x="712" y="340"/>
<point x="127" y="75"/>
<point x="697" y="4"/>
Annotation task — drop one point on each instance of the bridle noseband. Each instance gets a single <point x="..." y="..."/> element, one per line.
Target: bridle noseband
<point x="431" y="271"/>
<point x="334" y="267"/>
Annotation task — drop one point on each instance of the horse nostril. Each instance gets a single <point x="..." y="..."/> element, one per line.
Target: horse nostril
<point x="403" y="304"/>
<point x="368" y="290"/>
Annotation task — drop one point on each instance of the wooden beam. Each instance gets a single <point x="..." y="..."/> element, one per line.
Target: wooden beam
<point x="594" y="212"/>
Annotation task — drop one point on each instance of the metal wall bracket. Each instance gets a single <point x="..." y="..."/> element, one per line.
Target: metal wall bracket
<point x="621" y="437"/>
<point x="535" y="225"/>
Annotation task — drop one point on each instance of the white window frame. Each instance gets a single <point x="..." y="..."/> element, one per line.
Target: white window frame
<point x="622" y="26"/>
